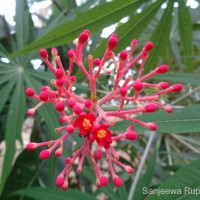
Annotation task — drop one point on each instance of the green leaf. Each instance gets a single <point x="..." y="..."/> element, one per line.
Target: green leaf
<point x="121" y="192"/>
<point x="13" y="127"/>
<point x="6" y="78"/>
<point x="71" y="14"/>
<point x="193" y="79"/>
<point x="146" y="178"/>
<point x="132" y="29"/>
<point x="185" y="32"/>
<point x="160" y="37"/>
<point x="8" y="66"/>
<point x="5" y="91"/>
<point x="24" y="174"/>
<point x="185" y="120"/>
<point x="44" y="193"/>
<point x="21" y="19"/>
<point x="94" y="19"/>
<point x="185" y="179"/>
<point x="41" y="75"/>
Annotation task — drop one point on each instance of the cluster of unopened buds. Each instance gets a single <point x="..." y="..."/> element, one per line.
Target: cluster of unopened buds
<point x="87" y="117"/>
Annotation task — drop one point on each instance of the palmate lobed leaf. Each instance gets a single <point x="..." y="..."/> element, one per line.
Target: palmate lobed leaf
<point x="94" y="19"/>
<point x="5" y="91"/>
<point x="13" y="126"/>
<point x="13" y="83"/>
<point x="180" y="121"/>
<point x="179" y="184"/>
<point x="38" y="193"/>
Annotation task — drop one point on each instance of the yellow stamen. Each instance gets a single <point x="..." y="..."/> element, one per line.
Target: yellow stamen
<point x="101" y="134"/>
<point x="86" y="123"/>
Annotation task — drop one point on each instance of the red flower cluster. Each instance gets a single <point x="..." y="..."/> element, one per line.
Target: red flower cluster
<point x="87" y="117"/>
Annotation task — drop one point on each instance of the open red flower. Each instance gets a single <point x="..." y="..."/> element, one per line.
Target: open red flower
<point x="85" y="123"/>
<point x="102" y="135"/>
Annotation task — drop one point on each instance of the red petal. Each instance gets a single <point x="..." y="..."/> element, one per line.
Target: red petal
<point x="82" y="131"/>
<point x="77" y="122"/>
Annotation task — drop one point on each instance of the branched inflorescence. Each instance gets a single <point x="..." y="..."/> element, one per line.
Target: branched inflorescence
<point x="87" y="116"/>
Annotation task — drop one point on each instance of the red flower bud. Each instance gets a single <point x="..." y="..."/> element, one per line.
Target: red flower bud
<point x="88" y="104"/>
<point x="45" y="88"/>
<point x="68" y="160"/>
<point x="44" y="154"/>
<point x="59" y="73"/>
<point x="134" y="43"/>
<point x="131" y="135"/>
<point x="58" y="153"/>
<point x="104" y="180"/>
<point x="152" y="126"/>
<point x="60" y="181"/>
<point x="138" y="86"/>
<point x="98" y="184"/>
<point x="62" y="119"/>
<point x="98" y="154"/>
<point x="72" y="79"/>
<point x="123" y="55"/>
<point x="162" y="69"/>
<point x="44" y="95"/>
<point x="129" y="169"/>
<point x="31" y="146"/>
<point x="97" y="62"/>
<point x="117" y="181"/>
<point x="164" y="85"/>
<point x="150" y="107"/>
<point x="168" y="109"/>
<point x="71" y="53"/>
<point x="177" y="87"/>
<point x="123" y="91"/>
<point x="30" y="112"/>
<point x="78" y="110"/>
<point x="60" y="82"/>
<point x="70" y="129"/>
<point x="30" y="92"/>
<point x="60" y="106"/>
<point x="71" y="103"/>
<point x="148" y="46"/>
<point x="112" y="42"/>
<point x="83" y="37"/>
<point x="44" y="54"/>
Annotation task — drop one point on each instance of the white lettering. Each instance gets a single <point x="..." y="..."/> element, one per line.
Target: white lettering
<point x="145" y="190"/>
<point x="187" y="190"/>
